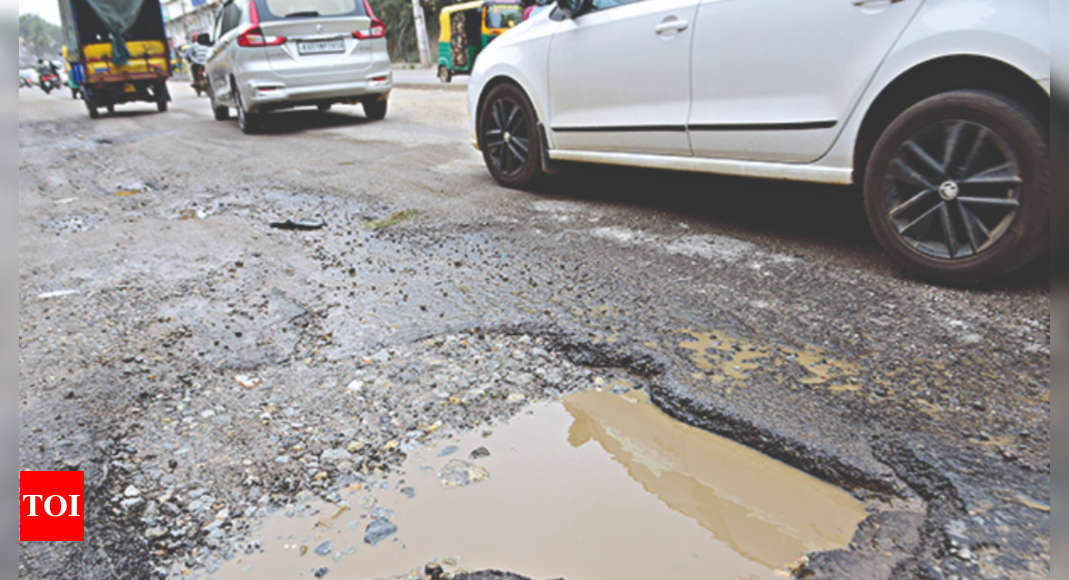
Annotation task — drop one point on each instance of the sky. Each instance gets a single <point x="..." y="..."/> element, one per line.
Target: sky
<point x="47" y="9"/>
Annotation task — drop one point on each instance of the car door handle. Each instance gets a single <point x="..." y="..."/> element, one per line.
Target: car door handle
<point x="671" y="25"/>
<point x="867" y="2"/>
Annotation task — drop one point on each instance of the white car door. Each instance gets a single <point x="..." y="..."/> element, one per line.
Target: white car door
<point x="221" y="58"/>
<point x="619" y="77"/>
<point x="775" y="80"/>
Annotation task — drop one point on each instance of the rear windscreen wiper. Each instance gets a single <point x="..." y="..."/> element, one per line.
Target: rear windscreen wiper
<point x="305" y="14"/>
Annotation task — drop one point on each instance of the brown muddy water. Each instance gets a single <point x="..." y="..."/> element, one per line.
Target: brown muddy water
<point x="595" y="486"/>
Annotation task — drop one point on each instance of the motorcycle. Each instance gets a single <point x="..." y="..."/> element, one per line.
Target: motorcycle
<point x="200" y="81"/>
<point x="49" y="82"/>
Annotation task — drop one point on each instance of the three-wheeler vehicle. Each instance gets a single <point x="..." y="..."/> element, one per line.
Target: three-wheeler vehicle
<point x="467" y="28"/>
<point x="118" y="52"/>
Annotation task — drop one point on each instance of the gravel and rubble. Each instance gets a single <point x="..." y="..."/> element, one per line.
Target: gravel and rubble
<point x="307" y="433"/>
<point x="335" y="436"/>
<point x="205" y="370"/>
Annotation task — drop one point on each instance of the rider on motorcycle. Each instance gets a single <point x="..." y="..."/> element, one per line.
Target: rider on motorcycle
<point x="48" y="74"/>
<point x="47" y="68"/>
<point x="197" y="55"/>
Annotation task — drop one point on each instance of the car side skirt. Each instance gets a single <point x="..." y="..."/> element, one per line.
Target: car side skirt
<point x="758" y="169"/>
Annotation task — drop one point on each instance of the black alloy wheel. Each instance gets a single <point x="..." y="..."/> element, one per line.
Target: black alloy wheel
<point x="509" y="138"/>
<point x="957" y="188"/>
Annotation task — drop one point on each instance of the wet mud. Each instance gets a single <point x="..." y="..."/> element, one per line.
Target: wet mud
<point x="597" y="485"/>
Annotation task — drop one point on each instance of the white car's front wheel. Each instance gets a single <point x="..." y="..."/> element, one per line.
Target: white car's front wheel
<point x="957" y="187"/>
<point x="512" y="149"/>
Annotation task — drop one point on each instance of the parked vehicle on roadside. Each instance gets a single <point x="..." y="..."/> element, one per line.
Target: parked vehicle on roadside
<point x="268" y="55"/>
<point x="118" y="52"/>
<point x="466" y="29"/>
<point x="938" y="110"/>
<point x="27" y="78"/>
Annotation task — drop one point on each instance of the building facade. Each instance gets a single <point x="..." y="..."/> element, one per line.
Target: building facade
<point x="184" y="18"/>
<point x="24" y="54"/>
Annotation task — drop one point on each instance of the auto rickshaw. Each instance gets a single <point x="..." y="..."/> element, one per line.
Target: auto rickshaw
<point x="466" y="30"/>
<point x="117" y="50"/>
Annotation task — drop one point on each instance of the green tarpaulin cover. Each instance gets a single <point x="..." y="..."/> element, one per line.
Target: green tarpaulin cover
<point x="118" y="16"/>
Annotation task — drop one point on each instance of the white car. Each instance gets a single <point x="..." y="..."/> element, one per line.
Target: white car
<point x="28" y="77"/>
<point x="268" y="55"/>
<point x="938" y="109"/>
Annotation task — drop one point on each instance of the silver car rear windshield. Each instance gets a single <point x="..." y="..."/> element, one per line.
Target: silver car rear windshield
<point x="295" y="9"/>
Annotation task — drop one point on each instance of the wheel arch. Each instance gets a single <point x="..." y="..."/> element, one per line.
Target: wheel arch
<point x="490" y="85"/>
<point x="941" y="75"/>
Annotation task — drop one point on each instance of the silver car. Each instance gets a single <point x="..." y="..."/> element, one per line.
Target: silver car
<point x="267" y="55"/>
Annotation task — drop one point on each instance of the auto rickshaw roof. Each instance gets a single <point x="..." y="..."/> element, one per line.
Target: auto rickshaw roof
<point x="464" y="6"/>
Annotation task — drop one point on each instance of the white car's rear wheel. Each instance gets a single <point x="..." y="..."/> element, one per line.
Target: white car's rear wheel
<point x="957" y="187"/>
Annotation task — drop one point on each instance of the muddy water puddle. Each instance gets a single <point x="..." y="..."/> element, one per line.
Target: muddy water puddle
<point x="594" y="486"/>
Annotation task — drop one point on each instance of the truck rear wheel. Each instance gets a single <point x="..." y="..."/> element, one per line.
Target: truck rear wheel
<point x="162" y="96"/>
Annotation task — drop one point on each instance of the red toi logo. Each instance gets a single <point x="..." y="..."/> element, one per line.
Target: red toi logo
<point x="51" y="505"/>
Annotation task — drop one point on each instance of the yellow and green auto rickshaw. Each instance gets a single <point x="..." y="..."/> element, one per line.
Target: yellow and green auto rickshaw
<point x="466" y="30"/>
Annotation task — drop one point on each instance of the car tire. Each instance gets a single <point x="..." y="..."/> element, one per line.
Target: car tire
<point x="509" y="138"/>
<point x="94" y="112"/>
<point x="249" y="123"/>
<point x="444" y="74"/>
<point x="956" y="188"/>
<point x="374" y="108"/>
<point x="221" y="113"/>
<point x="159" y="90"/>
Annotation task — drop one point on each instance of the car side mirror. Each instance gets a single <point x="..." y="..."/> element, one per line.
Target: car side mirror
<point x="204" y="39"/>
<point x="574" y="8"/>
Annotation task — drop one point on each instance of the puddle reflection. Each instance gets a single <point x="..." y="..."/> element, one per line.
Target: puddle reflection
<point x="597" y="486"/>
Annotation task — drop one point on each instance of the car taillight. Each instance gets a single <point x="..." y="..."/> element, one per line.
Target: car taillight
<point x="255" y="37"/>
<point x="377" y="30"/>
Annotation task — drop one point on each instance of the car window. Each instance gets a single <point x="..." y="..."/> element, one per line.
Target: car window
<point x="281" y="9"/>
<point x="503" y="15"/>
<point x="218" y="27"/>
<point x="599" y="5"/>
<point x="231" y="17"/>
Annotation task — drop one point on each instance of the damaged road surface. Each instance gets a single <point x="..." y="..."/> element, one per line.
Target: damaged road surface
<point x="403" y="381"/>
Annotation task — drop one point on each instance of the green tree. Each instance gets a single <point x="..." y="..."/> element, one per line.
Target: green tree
<point x="400" y="27"/>
<point x="42" y="37"/>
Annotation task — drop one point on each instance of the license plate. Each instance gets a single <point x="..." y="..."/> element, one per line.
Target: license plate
<point x="129" y="88"/>
<point x="321" y="47"/>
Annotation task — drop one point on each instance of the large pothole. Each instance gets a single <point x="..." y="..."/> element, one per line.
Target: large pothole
<point x="596" y="484"/>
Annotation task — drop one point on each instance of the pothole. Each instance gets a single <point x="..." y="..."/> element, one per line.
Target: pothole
<point x="596" y="484"/>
